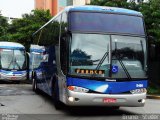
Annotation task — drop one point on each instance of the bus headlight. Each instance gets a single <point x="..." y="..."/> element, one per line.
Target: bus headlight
<point x="78" y="89"/>
<point x="71" y="99"/>
<point x="138" y="91"/>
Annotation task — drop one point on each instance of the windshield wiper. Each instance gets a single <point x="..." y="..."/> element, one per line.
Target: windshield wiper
<point x="122" y="64"/>
<point x="10" y="63"/>
<point x="102" y="60"/>
<point x="13" y="62"/>
<point x="17" y="63"/>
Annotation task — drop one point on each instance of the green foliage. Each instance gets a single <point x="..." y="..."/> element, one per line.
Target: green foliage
<point x="3" y="28"/>
<point x="112" y="3"/>
<point x="20" y="30"/>
<point x="151" y="12"/>
<point x="153" y="89"/>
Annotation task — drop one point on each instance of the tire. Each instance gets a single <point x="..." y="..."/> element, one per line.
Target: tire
<point x="34" y="85"/>
<point x="115" y="107"/>
<point x="57" y="103"/>
<point x="16" y="82"/>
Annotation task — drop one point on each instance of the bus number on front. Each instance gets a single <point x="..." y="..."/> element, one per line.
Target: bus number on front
<point x="139" y="85"/>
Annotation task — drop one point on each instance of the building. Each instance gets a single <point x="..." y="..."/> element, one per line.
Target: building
<point x="137" y="1"/>
<point x="47" y="4"/>
<point x="57" y="5"/>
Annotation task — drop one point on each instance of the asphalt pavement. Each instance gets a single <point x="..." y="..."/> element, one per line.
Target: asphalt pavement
<point x="19" y="102"/>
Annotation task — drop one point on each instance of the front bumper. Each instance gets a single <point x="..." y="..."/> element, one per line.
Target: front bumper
<point x="13" y="78"/>
<point x="91" y="99"/>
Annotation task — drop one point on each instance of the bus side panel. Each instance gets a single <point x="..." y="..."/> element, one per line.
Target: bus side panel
<point x="51" y="68"/>
<point x="44" y="71"/>
<point x="61" y="78"/>
<point x="48" y="67"/>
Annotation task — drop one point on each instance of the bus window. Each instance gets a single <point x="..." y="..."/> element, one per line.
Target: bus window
<point x="111" y="23"/>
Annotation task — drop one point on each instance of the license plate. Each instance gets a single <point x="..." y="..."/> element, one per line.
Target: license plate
<point x="13" y="78"/>
<point x="109" y="100"/>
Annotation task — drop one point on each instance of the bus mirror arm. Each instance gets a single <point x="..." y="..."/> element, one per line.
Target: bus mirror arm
<point x="152" y="47"/>
<point x="151" y="39"/>
<point x="54" y="62"/>
<point x="152" y="51"/>
<point x="28" y="54"/>
<point x="66" y="29"/>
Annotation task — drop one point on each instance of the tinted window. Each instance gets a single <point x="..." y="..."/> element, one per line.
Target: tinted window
<point x="63" y="43"/>
<point x="102" y="22"/>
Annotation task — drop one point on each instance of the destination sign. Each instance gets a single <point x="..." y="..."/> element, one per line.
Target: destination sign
<point x="89" y="71"/>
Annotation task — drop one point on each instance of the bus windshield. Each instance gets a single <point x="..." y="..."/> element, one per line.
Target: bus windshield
<point x="37" y="58"/>
<point x="90" y="54"/>
<point x="106" y="23"/>
<point x="132" y="52"/>
<point x="11" y="59"/>
<point x="86" y="52"/>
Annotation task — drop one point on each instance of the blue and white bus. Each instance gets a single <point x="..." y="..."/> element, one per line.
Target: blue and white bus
<point x="13" y="62"/>
<point x="36" y="57"/>
<point x="93" y="56"/>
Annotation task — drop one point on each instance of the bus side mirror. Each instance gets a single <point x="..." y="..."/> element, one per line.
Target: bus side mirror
<point x="45" y="58"/>
<point x="66" y="29"/>
<point x="152" y="47"/>
<point x="152" y="51"/>
<point x="28" y="54"/>
<point x="30" y="41"/>
<point x="28" y="58"/>
<point x="27" y="62"/>
<point x="151" y="39"/>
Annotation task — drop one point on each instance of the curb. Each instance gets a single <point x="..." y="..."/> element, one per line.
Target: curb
<point x="153" y="97"/>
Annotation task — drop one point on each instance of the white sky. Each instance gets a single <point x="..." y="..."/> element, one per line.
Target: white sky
<point x="15" y="8"/>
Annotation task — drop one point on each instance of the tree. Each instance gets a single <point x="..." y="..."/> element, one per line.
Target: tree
<point x="112" y="3"/>
<point x="21" y="29"/>
<point x="3" y="28"/>
<point x="151" y="12"/>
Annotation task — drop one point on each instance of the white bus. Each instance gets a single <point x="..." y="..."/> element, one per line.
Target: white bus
<point x="13" y="62"/>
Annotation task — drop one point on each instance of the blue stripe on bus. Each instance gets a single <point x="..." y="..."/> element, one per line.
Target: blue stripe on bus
<point x="107" y="87"/>
<point x="12" y="47"/>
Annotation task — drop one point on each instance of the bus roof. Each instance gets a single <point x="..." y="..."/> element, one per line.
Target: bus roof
<point x="103" y="9"/>
<point x="94" y="8"/>
<point x="11" y="45"/>
<point x="37" y="48"/>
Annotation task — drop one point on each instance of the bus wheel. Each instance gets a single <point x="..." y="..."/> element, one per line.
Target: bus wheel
<point x="57" y="103"/>
<point x="16" y="82"/>
<point x="34" y="85"/>
<point x="115" y="107"/>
